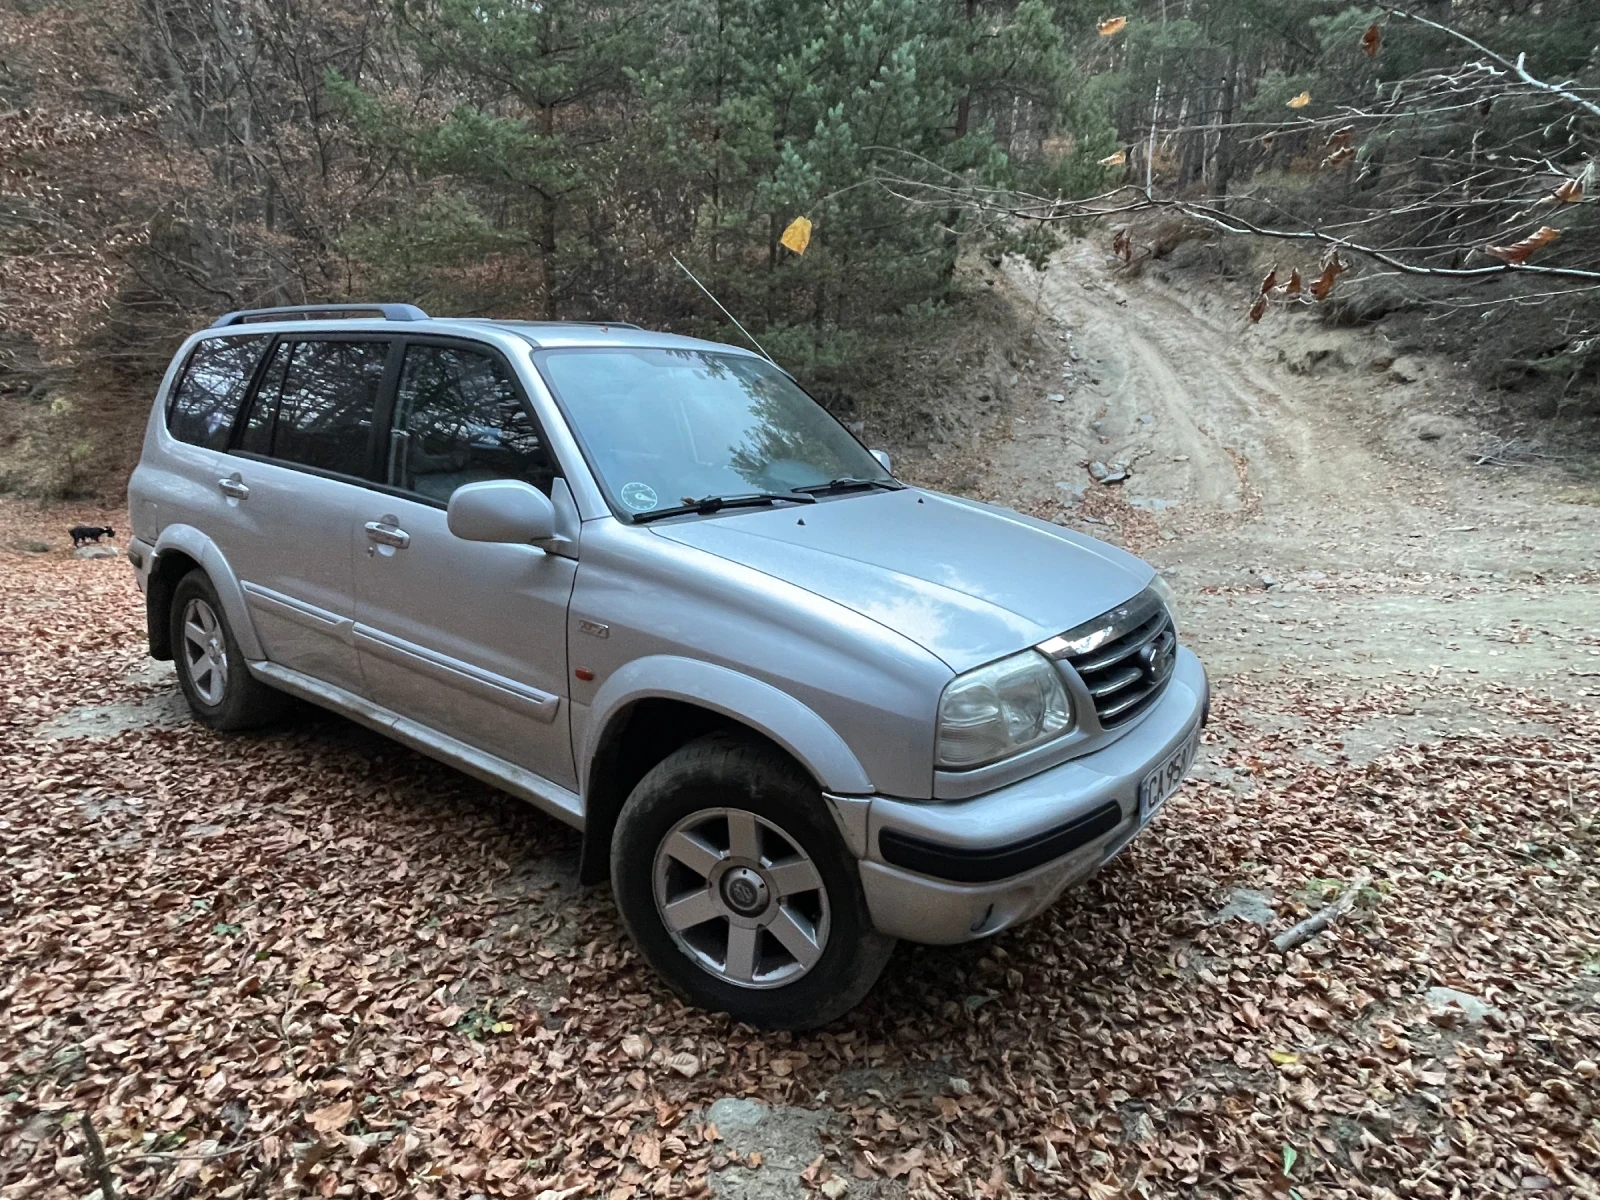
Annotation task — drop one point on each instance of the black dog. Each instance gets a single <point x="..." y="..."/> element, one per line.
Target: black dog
<point x="90" y="533"/>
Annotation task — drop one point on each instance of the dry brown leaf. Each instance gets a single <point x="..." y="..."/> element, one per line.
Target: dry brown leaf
<point x="1115" y="159"/>
<point x="1111" y="26"/>
<point x="1371" y="40"/>
<point x="1570" y="191"/>
<point x="636" y="1045"/>
<point x="332" y="1118"/>
<point x="1300" y="101"/>
<point x="1270" y="281"/>
<point x="647" y="1150"/>
<point x="1259" y="308"/>
<point x="447" y="1017"/>
<point x="902" y="1164"/>
<point x="1331" y="271"/>
<point x="1520" y="252"/>
<point x="684" y="1064"/>
<point x="1292" y="288"/>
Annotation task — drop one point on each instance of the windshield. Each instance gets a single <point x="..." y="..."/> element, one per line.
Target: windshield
<point x="668" y="427"/>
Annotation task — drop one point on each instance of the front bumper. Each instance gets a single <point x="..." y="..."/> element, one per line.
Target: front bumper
<point x="1082" y="813"/>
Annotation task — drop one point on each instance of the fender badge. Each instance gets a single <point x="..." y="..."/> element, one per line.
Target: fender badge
<point x="594" y="629"/>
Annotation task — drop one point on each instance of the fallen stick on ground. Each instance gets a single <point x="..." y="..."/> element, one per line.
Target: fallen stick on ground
<point x="99" y="1168"/>
<point x="1297" y="935"/>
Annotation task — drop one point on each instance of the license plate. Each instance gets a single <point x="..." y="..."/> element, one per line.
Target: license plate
<point x="1164" y="780"/>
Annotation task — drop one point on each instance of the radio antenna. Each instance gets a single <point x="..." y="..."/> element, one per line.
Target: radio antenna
<point x="725" y="312"/>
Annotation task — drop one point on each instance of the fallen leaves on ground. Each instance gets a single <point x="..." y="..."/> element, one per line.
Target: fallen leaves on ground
<point x="207" y="945"/>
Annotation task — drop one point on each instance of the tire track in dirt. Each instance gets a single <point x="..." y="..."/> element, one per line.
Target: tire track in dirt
<point x="1292" y="503"/>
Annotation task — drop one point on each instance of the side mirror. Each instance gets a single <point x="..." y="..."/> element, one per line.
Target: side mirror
<point x="501" y="510"/>
<point x="883" y="460"/>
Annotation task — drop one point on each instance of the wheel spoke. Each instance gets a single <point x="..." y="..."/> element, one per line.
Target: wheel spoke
<point x="699" y="856"/>
<point x="744" y="836"/>
<point x="694" y="909"/>
<point x="207" y="619"/>
<point x="796" y="935"/>
<point x="741" y="961"/>
<point x="195" y="634"/>
<point x="794" y="877"/>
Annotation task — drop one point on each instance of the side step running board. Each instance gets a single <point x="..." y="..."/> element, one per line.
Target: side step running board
<point x="524" y="784"/>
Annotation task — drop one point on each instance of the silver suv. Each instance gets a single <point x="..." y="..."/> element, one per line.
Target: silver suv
<point x="798" y="708"/>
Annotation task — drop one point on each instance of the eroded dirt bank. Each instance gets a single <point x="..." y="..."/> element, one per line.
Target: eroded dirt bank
<point x="309" y="961"/>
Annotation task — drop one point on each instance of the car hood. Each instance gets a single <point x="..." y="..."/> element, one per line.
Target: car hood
<point x="967" y="581"/>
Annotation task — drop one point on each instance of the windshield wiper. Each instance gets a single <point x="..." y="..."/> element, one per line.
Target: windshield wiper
<point x="848" y="483"/>
<point x="711" y="504"/>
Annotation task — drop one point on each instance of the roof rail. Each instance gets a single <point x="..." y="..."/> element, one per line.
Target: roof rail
<point x="310" y="312"/>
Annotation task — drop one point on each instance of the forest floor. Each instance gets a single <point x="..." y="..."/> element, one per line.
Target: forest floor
<point x="312" y="961"/>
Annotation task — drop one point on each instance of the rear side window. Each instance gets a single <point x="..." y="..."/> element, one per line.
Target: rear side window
<point x="314" y="405"/>
<point x="206" y="399"/>
<point x="459" y="418"/>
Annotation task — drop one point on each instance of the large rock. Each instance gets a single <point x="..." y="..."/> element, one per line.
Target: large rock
<point x="96" y="550"/>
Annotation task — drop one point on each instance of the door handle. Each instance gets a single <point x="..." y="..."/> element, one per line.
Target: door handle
<point x="233" y="487"/>
<point x="388" y="535"/>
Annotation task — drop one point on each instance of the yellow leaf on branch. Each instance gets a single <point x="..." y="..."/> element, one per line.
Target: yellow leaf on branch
<point x="1114" y="160"/>
<point x="1112" y="26"/>
<point x="1300" y="101"/>
<point x="798" y="236"/>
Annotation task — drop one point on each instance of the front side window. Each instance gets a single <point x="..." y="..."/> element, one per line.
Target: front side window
<point x="314" y="405"/>
<point x="668" y="427"/>
<point x="459" y="418"/>
<point x="206" y="399"/>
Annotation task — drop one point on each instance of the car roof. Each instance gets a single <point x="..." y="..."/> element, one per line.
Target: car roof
<point x="541" y="335"/>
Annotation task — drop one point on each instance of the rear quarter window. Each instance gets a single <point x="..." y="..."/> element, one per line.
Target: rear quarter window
<point x="207" y="397"/>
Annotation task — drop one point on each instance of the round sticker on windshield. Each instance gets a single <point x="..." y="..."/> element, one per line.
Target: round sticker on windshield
<point x="640" y="497"/>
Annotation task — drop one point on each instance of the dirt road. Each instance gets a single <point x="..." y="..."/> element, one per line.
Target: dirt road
<point x="1312" y="495"/>
<point x="308" y="961"/>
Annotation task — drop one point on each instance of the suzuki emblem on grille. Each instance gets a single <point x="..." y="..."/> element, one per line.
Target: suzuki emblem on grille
<point x="1156" y="658"/>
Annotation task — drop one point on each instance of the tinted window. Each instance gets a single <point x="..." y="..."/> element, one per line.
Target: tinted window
<point x="314" y="406"/>
<point x="458" y="418"/>
<point x="207" y="397"/>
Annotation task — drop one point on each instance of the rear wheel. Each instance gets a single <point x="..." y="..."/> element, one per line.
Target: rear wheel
<point x="738" y="889"/>
<point x="211" y="670"/>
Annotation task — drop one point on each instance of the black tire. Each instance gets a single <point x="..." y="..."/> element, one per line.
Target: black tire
<point x="725" y="771"/>
<point x="234" y="700"/>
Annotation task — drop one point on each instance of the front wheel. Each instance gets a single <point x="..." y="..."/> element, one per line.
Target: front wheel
<point x="737" y="888"/>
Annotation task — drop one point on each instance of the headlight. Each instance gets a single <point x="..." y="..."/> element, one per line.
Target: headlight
<point x="999" y="710"/>
<point x="1162" y="588"/>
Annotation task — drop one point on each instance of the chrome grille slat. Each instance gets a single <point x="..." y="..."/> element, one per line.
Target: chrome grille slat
<point x="1110" y="712"/>
<point x="1123" y="674"/>
<point x="1131" y="644"/>
<point x="1116" y="683"/>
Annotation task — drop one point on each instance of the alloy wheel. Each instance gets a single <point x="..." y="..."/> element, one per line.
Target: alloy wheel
<point x="205" y="651"/>
<point x="741" y="898"/>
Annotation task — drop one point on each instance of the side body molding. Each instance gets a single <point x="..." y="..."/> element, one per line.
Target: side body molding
<point x="189" y="540"/>
<point x="749" y="701"/>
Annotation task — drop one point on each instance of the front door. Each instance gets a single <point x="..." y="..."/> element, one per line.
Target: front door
<point x="299" y="462"/>
<point x="467" y="638"/>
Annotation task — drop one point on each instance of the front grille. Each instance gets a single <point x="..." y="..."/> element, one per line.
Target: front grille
<point x="1134" y="649"/>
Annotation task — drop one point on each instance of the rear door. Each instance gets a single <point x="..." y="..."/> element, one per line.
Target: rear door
<point x="467" y="638"/>
<point x="297" y="465"/>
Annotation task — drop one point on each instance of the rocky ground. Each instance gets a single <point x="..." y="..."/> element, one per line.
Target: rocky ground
<point x="310" y="961"/>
